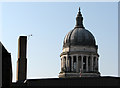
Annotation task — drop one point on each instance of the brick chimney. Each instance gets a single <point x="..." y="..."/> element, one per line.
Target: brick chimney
<point x="22" y="60"/>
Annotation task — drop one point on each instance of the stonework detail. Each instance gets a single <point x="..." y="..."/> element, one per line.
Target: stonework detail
<point x="79" y="57"/>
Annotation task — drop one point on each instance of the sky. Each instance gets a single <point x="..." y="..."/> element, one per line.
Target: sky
<point x="49" y="22"/>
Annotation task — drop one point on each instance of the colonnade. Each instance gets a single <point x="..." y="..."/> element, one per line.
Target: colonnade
<point x="77" y="63"/>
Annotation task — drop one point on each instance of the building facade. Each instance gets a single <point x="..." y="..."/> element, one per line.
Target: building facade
<point x="6" y="66"/>
<point x="79" y="57"/>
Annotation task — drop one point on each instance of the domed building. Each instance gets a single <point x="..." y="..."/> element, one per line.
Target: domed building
<point x="79" y="57"/>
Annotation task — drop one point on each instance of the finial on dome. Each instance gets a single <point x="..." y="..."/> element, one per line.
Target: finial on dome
<point x="79" y="9"/>
<point x="79" y="20"/>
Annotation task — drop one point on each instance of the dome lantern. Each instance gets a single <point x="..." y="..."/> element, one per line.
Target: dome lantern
<point x="79" y="20"/>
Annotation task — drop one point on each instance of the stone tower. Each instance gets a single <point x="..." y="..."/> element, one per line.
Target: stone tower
<point x="79" y="57"/>
<point x="22" y="60"/>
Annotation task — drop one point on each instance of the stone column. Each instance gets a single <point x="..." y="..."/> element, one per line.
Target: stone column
<point x="77" y="70"/>
<point x="71" y="63"/>
<point x="61" y="64"/>
<point x="96" y="64"/>
<point x="86" y="63"/>
<point x="92" y="63"/>
<point x="81" y="63"/>
<point x="66" y="62"/>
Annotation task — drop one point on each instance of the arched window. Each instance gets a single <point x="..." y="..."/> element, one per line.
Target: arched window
<point x="84" y="63"/>
<point x="94" y="64"/>
<point x="70" y="63"/>
<point x="74" y="63"/>
<point x="79" y="63"/>
<point x="64" y="63"/>
<point x="89" y="59"/>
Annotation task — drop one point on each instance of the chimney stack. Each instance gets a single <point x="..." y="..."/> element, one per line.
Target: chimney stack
<point x="22" y="60"/>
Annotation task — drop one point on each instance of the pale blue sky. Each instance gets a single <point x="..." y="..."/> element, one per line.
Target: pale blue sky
<point x="49" y="22"/>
